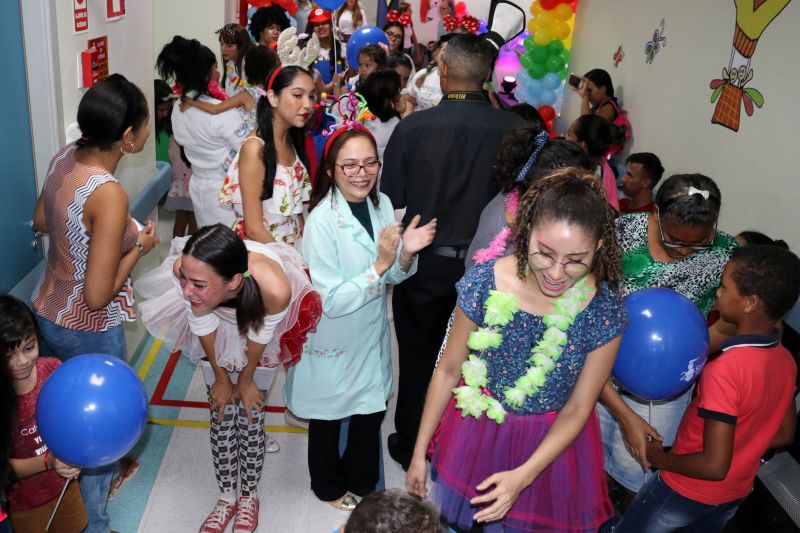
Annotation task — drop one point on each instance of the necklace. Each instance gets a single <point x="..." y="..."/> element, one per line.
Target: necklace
<point x="473" y="398"/>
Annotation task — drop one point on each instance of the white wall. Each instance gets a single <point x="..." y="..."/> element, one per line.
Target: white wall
<point x="669" y="101"/>
<point x="193" y="19"/>
<point x="130" y="45"/>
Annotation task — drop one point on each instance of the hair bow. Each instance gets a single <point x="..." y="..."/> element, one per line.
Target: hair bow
<point x="702" y="193"/>
<point x="403" y="18"/>
<point x="452" y="22"/>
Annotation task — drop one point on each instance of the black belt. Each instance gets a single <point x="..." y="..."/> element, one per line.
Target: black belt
<point x="455" y="252"/>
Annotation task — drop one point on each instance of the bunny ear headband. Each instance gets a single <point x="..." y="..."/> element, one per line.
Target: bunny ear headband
<point x="291" y="55"/>
<point x="350" y="114"/>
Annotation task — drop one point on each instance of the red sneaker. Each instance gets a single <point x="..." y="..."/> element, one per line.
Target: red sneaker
<point x="219" y="517"/>
<point x="246" y="515"/>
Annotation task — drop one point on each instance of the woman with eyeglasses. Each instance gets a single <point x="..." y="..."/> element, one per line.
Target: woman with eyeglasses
<point x="509" y="420"/>
<point x="396" y="34"/>
<point x="677" y="247"/>
<point x="353" y="248"/>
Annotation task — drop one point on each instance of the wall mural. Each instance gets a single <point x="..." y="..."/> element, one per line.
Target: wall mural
<point x="731" y="91"/>
<point x="653" y="46"/>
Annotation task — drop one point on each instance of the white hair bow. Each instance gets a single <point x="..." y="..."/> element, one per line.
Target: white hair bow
<point x="692" y="191"/>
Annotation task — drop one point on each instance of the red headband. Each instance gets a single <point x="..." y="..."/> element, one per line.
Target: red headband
<point x="272" y="77"/>
<point x="338" y="132"/>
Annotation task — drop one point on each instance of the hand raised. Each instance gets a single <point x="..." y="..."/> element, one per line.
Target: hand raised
<point x="416" y="237"/>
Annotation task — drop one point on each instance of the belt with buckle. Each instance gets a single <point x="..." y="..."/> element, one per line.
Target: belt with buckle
<point x="455" y="252"/>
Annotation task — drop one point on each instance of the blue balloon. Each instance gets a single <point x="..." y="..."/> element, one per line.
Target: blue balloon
<point x="533" y="100"/>
<point x="535" y="87"/>
<point x="521" y="93"/>
<point x="664" y="348"/>
<point x="330" y="5"/>
<point x="523" y="77"/>
<point x="548" y="97"/>
<point x="362" y="37"/>
<point x="551" y="81"/>
<point x="92" y="410"/>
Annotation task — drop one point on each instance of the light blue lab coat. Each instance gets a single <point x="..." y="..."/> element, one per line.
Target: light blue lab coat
<point x="346" y="365"/>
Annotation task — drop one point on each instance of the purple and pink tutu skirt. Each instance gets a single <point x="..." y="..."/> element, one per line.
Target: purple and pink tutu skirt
<point x="569" y="495"/>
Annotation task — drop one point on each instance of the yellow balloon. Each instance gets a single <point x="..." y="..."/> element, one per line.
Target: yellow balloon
<point x="546" y="19"/>
<point x="532" y="27"/>
<point x="560" y="30"/>
<point x="562" y="12"/>
<point x="536" y="9"/>
<point x="571" y="24"/>
<point x="567" y="42"/>
<point x="543" y="37"/>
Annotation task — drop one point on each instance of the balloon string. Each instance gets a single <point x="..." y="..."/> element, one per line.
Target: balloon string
<point x="55" y="509"/>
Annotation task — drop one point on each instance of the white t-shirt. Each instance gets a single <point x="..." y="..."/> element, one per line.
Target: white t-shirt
<point x="381" y="131"/>
<point x="430" y="93"/>
<point x="345" y="23"/>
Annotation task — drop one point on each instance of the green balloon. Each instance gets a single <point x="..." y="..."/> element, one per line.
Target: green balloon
<point x="565" y="55"/>
<point x="564" y="73"/>
<point x="529" y="43"/>
<point x="526" y="60"/>
<point x="555" y="47"/>
<point x="554" y="64"/>
<point x="537" y="71"/>
<point x="539" y="53"/>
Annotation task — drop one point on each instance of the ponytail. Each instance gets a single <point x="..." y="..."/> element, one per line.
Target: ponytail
<point x="250" y="309"/>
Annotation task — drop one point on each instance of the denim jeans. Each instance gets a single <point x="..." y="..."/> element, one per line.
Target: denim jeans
<point x="657" y="508"/>
<point x="69" y="343"/>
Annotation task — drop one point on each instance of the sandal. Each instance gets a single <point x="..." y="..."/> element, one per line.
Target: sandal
<point x="347" y="503"/>
<point x="129" y="469"/>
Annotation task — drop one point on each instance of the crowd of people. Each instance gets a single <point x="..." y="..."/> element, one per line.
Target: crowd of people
<point x="316" y="202"/>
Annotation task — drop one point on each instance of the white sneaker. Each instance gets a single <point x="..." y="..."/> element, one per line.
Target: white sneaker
<point x="272" y="444"/>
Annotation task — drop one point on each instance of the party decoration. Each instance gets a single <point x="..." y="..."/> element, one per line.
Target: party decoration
<point x="287" y="5"/>
<point x="403" y="18"/>
<point x="652" y="47"/>
<point x="730" y="92"/>
<point x="330" y="5"/>
<point x="362" y="37"/>
<point x="92" y="410"/>
<point x="618" y="56"/>
<point x="665" y="347"/>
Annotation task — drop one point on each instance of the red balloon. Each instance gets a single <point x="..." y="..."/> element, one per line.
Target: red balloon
<point x="549" y="125"/>
<point x="461" y="8"/>
<point x="547" y="113"/>
<point x="547" y="5"/>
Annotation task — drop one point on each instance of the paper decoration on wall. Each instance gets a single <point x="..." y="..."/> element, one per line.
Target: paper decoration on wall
<point x="730" y="92"/>
<point x="652" y="47"/>
<point x="115" y="10"/>
<point x="540" y="83"/>
<point x="619" y="55"/>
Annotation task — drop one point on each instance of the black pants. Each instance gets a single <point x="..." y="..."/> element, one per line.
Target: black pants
<point x="332" y="474"/>
<point x="422" y="305"/>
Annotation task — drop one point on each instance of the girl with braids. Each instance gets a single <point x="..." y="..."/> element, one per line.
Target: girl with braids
<point x="268" y="180"/>
<point x="209" y="141"/>
<point x="238" y="307"/>
<point x="517" y="447"/>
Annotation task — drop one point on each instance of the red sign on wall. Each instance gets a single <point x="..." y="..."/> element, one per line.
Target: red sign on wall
<point x="115" y="9"/>
<point x="80" y="16"/>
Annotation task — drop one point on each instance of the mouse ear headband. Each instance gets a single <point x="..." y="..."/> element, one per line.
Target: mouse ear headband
<point x="506" y="21"/>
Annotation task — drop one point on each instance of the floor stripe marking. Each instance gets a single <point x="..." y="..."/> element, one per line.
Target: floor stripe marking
<point x="148" y="361"/>
<point x="206" y="425"/>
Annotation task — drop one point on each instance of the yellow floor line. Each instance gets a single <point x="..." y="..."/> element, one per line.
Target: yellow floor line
<point x="148" y="361"/>
<point x="205" y="424"/>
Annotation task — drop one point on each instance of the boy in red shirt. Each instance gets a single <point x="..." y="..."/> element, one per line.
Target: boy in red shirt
<point x="744" y="405"/>
<point x="40" y="476"/>
<point x="642" y="173"/>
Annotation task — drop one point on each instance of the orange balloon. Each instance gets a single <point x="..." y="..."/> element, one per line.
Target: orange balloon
<point x="536" y="9"/>
<point x="562" y="12"/>
<point x="560" y="30"/>
<point x="532" y="26"/>
<point x="543" y="37"/>
<point x="546" y="19"/>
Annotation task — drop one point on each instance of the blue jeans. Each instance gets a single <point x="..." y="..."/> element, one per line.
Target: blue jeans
<point x="69" y="343"/>
<point x="657" y="508"/>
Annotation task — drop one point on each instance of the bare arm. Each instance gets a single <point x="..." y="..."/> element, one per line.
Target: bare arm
<point x="39" y="217"/>
<point x="251" y="180"/>
<point x="106" y="217"/>
<point x="711" y="464"/>
<point x="635" y="429"/>
<point x="607" y="112"/>
<point x="36" y="465"/>
<point x="242" y="98"/>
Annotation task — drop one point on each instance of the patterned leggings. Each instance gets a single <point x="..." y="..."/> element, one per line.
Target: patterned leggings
<point x="237" y="447"/>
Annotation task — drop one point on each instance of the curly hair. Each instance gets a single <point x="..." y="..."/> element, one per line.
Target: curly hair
<point x="265" y="17"/>
<point x="770" y="272"/>
<point x="574" y="196"/>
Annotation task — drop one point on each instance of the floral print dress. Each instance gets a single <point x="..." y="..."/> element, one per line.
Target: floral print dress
<point x="282" y="211"/>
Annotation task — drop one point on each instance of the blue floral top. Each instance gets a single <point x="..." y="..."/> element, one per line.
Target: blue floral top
<point x="601" y="321"/>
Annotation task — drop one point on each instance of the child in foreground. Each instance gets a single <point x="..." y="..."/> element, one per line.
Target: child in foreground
<point x="40" y="475"/>
<point x="393" y="511"/>
<point x="744" y="405"/>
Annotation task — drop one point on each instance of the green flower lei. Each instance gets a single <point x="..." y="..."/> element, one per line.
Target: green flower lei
<point x="473" y="398"/>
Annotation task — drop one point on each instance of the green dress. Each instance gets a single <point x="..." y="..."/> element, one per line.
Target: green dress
<point x="697" y="276"/>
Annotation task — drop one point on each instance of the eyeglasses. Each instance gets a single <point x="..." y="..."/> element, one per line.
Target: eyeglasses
<point x="394" y="36"/>
<point x="543" y="261"/>
<point x="370" y="167"/>
<point x="681" y="246"/>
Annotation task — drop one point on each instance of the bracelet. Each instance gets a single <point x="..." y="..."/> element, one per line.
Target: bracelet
<point x="140" y="246"/>
<point x="46" y="463"/>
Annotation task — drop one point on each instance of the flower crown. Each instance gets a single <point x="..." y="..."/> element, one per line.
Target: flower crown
<point x="349" y="111"/>
<point x="291" y="54"/>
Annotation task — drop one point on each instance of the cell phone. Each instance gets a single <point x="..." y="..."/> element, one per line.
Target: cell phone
<point x="575" y="81"/>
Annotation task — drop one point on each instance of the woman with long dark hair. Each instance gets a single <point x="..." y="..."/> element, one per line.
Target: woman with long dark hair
<point x="234" y="42"/>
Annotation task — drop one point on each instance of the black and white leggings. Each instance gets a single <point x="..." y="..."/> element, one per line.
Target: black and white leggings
<point x="237" y="447"/>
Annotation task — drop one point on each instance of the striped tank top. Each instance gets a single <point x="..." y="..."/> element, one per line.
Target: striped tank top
<point x="59" y="295"/>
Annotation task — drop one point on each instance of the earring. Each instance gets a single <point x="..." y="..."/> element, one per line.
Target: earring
<point x="122" y="148"/>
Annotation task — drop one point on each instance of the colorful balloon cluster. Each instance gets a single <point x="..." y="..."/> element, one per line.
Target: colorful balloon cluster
<point x="544" y="63"/>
